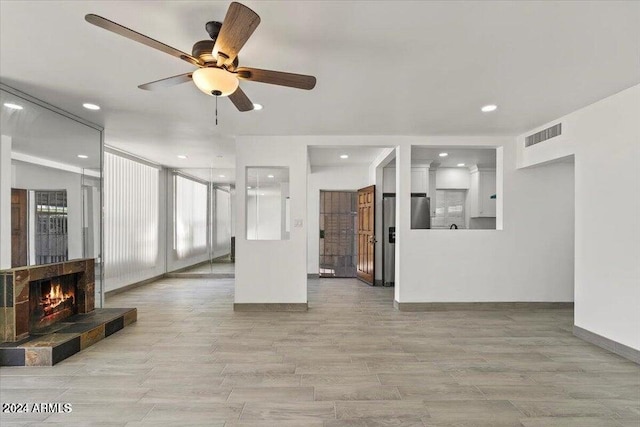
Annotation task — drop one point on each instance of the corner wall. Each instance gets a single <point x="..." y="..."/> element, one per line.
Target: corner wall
<point x="605" y="137"/>
<point x="529" y="260"/>
<point x="272" y="271"/>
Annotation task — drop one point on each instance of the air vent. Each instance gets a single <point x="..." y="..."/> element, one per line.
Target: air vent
<point x="543" y="135"/>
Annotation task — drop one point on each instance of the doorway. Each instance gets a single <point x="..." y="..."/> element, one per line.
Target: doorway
<point x="338" y="233"/>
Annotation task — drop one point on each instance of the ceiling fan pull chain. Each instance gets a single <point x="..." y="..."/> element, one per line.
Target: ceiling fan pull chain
<point x="216" y="93"/>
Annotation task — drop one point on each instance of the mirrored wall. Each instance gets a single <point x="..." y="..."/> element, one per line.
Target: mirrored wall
<point x="200" y="211"/>
<point x="268" y="209"/>
<point x="50" y="185"/>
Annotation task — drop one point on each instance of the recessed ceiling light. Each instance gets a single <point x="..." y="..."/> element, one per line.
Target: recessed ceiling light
<point x="344" y="156"/>
<point x="257" y="107"/>
<point x="262" y="194"/>
<point x="182" y="156"/>
<point x="248" y="188"/>
<point x="460" y="164"/>
<point x="269" y="176"/>
<point x="89" y="106"/>
<point x="83" y="156"/>
<point x="13" y="106"/>
<point x="443" y="154"/>
<point x="489" y="108"/>
<point x="221" y="176"/>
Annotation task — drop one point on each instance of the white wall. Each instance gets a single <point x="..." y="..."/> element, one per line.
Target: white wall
<point x="328" y="178"/>
<point x="529" y="260"/>
<point x="5" y="202"/>
<point x="36" y="177"/>
<point x="272" y="271"/>
<point x="377" y="177"/>
<point x="605" y="137"/>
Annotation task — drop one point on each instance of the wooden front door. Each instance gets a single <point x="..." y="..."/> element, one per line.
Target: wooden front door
<point x="18" y="227"/>
<point x="366" y="233"/>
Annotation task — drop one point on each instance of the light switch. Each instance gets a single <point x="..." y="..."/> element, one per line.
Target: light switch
<point x="297" y="223"/>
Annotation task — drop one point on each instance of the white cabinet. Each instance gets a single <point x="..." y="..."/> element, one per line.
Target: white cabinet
<point x="389" y="180"/>
<point x="419" y="180"/>
<point x="482" y="193"/>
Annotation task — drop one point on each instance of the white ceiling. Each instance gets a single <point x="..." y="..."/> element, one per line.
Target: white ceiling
<point x="481" y="157"/>
<point x="39" y="132"/>
<point x="223" y="176"/>
<point x="383" y="68"/>
<point x="330" y="155"/>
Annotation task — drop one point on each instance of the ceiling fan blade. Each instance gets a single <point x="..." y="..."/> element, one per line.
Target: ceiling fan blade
<point x="237" y="27"/>
<point x="168" y="82"/>
<point x="241" y="100"/>
<point x="140" y="38"/>
<point x="299" y="81"/>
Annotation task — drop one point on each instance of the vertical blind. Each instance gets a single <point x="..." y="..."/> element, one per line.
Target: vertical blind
<point x="190" y="216"/>
<point x="131" y="217"/>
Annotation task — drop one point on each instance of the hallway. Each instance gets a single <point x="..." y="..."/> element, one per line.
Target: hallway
<point x="351" y="360"/>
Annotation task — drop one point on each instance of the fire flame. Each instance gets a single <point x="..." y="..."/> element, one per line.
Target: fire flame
<point x="55" y="297"/>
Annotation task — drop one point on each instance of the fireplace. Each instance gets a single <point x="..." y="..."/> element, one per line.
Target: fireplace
<point x="33" y="298"/>
<point x="52" y="300"/>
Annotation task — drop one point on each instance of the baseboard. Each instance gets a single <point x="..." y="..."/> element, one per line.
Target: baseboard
<point x="190" y="267"/>
<point x="133" y="285"/>
<point x="200" y="275"/>
<point x="303" y="306"/>
<point x="223" y="259"/>
<point x="478" y="306"/>
<point x="313" y="276"/>
<point x="608" y="344"/>
<point x="379" y="282"/>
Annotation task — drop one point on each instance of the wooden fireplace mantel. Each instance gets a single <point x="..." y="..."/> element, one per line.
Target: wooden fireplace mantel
<point x="14" y="293"/>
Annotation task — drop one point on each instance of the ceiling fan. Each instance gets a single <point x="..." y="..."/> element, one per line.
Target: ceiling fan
<point x="217" y="59"/>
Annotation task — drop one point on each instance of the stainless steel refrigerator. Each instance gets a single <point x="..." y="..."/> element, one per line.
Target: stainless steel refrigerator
<point x="420" y="219"/>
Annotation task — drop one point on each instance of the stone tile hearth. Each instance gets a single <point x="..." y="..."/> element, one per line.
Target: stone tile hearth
<point x="66" y="338"/>
<point x="47" y="313"/>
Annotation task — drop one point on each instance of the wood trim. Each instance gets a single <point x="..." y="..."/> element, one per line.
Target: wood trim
<point x="365" y="266"/>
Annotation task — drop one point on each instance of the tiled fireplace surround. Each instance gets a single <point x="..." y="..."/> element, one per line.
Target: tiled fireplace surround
<point x="14" y="293"/>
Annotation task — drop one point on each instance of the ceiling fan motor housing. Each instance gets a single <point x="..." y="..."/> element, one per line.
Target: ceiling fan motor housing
<point x="203" y="51"/>
<point x="213" y="28"/>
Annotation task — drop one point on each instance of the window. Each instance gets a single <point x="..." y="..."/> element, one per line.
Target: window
<point x="131" y="216"/>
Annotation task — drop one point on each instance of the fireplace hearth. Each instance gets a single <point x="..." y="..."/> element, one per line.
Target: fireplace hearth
<point x="47" y="313"/>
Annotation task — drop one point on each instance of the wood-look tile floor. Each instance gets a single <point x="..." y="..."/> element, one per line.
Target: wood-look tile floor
<point x="351" y="360"/>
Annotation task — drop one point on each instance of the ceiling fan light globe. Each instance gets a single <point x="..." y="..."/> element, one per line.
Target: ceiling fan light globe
<point x="212" y="79"/>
